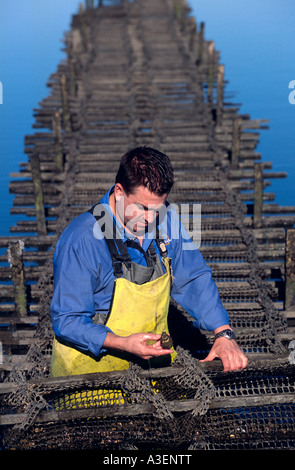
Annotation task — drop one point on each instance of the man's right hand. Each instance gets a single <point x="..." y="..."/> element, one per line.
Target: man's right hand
<point x="137" y="344"/>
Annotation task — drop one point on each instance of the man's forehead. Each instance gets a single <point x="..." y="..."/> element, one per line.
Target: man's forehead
<point x="142" y="196"/>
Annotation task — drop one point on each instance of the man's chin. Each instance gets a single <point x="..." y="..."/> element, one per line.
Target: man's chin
<point x="139" y="230"/>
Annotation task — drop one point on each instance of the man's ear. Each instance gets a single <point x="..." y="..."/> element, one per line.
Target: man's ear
<point x="118" y="191"/>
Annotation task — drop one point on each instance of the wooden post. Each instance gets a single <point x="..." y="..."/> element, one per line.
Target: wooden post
<point x="83" y="27"/>
<point x="290" y="270"/>
<point x="201" y="44"/>
<point x="58" y="146"/>
<point x="15" y="259"/>
<point x="235" y="151"/>
<point x="220" y="85"/>
<point x="71" y="65"/>
<point x="39" y="201"/>
<point x="65" y="103"/>
<point x="76" y="42"/>
<point x="258" y="194"/>
<point x="192" y="33"/>
<point x="125" y="5"/>
<point x="210" y="70"/>
<point x="89" y="4"/>
<point x="177" y="9"/>
<point x="76" y="53"/>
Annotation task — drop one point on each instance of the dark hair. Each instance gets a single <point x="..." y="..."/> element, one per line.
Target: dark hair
<point x="145" y="166"/>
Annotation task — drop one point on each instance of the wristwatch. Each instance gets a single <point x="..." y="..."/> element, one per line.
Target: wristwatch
<point x="228" y="334"/>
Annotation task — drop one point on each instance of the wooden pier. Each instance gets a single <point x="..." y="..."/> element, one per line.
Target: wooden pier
<point x="143" y="73"/>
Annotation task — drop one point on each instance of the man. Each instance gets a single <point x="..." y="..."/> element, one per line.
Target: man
<point x="115" y="268"/>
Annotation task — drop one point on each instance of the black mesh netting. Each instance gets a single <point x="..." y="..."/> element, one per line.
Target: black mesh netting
<point x="180" y="407"/>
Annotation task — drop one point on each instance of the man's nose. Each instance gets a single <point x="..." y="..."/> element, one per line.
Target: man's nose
<point x="149" y="215"/>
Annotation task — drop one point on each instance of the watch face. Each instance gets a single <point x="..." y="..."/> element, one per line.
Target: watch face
<point x="229" y="334"/>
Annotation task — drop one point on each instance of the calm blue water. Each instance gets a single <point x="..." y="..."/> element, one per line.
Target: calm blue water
<point x="256" y="42"/>
<point x="255" y="39"/>
<point x="31" y="33"/>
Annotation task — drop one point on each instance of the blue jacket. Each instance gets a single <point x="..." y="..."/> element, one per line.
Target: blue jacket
<point x="84" y="279"/>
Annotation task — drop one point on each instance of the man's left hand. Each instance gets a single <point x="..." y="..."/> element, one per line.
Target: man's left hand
<point x="230" y="354"/>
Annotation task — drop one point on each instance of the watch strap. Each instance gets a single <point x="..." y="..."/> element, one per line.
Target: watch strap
<point x="227" y="333"/>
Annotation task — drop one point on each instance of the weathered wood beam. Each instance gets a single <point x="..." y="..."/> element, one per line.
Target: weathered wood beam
<point x="15" y="259"/>
<point x="38" y="190"/>
<point x="290" y="270"/>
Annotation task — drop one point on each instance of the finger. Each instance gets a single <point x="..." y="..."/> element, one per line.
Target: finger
<point x="242" y="362"/>
<point x="151" y="336"/>
<point x="210" y="357"/>
<point x="239" y="360"/>
<point x="157" y="345"/>
<point x="157" y="350"/>
<point x="234" y="362"/>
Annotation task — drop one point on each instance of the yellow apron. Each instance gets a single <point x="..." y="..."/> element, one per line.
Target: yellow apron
<point x="135" y="308"/>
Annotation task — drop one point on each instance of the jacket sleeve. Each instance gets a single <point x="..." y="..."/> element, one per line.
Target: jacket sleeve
<point x="72" y="304"/>
<point x="193" y="286"/>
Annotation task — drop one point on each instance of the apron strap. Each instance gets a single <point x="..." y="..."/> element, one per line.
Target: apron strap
<point x="150" y="255"/>
<point x="117" y="248"/>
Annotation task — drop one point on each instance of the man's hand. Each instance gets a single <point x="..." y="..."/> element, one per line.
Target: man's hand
<point x="137" y="344"/>
<point x="230" y="354"/>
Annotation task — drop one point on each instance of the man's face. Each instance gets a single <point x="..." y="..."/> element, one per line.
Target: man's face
<point x="138" y="211"/>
